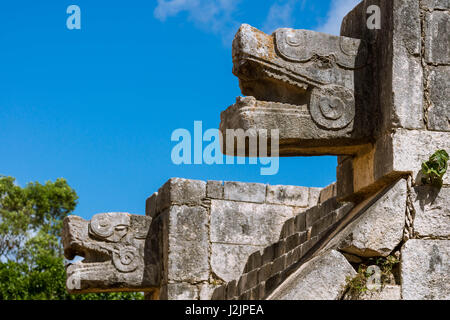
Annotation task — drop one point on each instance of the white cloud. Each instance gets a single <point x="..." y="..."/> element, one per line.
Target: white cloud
<point x="280" y="15"/>
<point x="219" y="16"/>
<point x="213" y="15"/>
<point x="338" y="10"/>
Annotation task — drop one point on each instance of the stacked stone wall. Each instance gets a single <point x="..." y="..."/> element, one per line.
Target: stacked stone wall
<point x="204" y="232"/>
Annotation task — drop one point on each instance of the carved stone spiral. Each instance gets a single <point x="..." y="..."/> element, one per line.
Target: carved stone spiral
<point x="103" y="224"/>
<point x="126" y="259"/>
<point x="332" y="107"/>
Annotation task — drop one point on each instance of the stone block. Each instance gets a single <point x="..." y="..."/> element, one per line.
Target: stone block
<point x="253" y="262"/>
<point x="436" y="4"/>
<point x="279" y="248"/>
<point x="388" y="292"/>
<point x="288" y="228"/>
<point x="425" y="270"/>
<point x="241" y="191"/>
<point x="272" y="283"/>
<point x="214" y="189"/>
<point x="279" y="264"/>
<point x="307" y="246"/>
<point x="412" y="147"/>
<point x="232" y="289"/>
<point x="298" y="253"/>
<point x="437" y="42"/>
<point x="150" y="205"/>
<point x="327" y="193"/>
<point x="328" y="206"/>
<point x="265" y="272"/>
<point x="220" y="293"/>
<point x="432" y="211"/>
<point x="302" y="237"/>
<point x="407" y="31"/>
<point x="288" y="195"/>
<point x="245" y="295"/>
<point x="254" y="293"/>
<point x="439" y="111"/>
<point x="242" y="284"/>
<point x="322" y="224"/>
<point x="343" y="211"/>
<point x="252" y="279"/>
<point x="268" y="255"/>
<point x="247" y="223"/>
<point x="179" y="291"/>
<point x="380" y="229"/>
<point x="292" y="241"/>
<point x="294" y="124"/>
<point x="312" y="215"/>
<point x="406" y="109"/>
<point x="314" y="194"/>
<point x="290" y="259"/>
<point x="344" y="176"/>
<point x="188" y="244"/>
<point x="180" y="191"/>
<point x="228" y="260"/>
<point x="206" y="290"/>
<point x="261" y="290"/>
<point x="314" y="240"/>
<point x="300" y="222"/>
<point x="321" y="278"/>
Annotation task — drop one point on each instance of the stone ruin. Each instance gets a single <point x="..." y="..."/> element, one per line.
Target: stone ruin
<point x="376" y="98"/>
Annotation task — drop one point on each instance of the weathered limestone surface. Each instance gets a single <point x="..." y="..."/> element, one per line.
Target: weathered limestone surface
<point x="432" y="211"/>
<point x="314" y="195"/>
<point x="214" y="189"/>
<point x="180" y="191"/>
<point x="378" y="230"/>
<point x="410" y="148"/>
<point x="437" y="42"/>
<point x="388" y="292"/>
<point x="228" y="260"/>
<point x="150" y="205"/>
<point x="231" y="222"/>
<point x="439" y="111"/>
<point x="425" y="270"/>
<point x="406" y="109"/>
<point x="249" y="192"/>
<point x="436" y="4"/>
<point x="323" y="277"/>
<point x="179" y="291"/>
<point x="288" y="195"/>
<point x="188" y="244"/>
<point x="327" y="193"/>
<point x="395" y="154"/>
<point x="206" y="291"/>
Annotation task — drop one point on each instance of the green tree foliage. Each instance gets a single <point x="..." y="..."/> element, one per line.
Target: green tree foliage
<point x="31" y="254"/>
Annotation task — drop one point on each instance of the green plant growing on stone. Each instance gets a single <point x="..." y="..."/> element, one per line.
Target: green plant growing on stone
<point x="387" y="265"/>
<point x="358" y="284"/>
<point x="435" y="168"/>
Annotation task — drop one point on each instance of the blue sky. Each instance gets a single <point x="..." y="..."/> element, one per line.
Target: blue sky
<point x="97" y="106"/>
